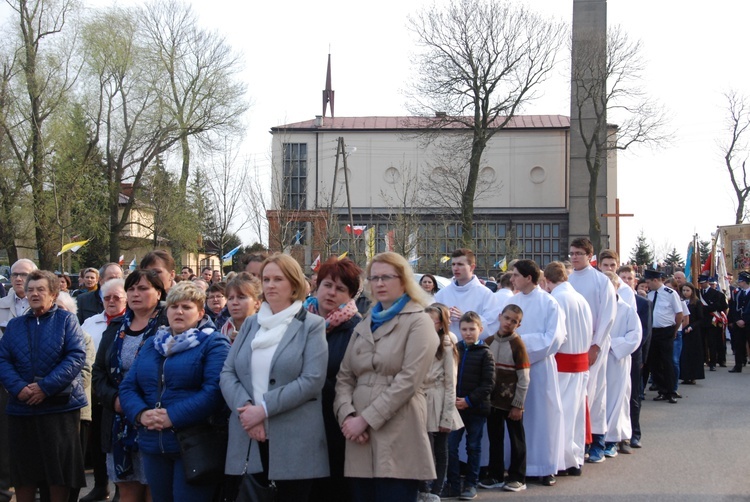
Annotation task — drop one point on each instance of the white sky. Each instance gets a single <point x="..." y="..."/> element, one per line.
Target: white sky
<point x="692" y="51"/>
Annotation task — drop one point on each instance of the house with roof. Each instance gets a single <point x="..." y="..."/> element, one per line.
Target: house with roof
<point x="370" y="184"/>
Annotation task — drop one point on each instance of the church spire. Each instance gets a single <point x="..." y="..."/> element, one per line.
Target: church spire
<point x="328" y="92"/>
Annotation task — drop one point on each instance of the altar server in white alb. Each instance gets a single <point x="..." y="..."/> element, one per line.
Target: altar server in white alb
<point x="466" y="292"/>
<point x="600" y="294"/>
<point x="609" y="261"/>
<point x="572" y="364"/>
<point x="625" y="339"/>
<point x="543" y="333"/>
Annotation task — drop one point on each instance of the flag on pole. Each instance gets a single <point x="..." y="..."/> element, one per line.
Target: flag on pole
<point x="445" y="259"/>
<point x="132" y="265"/>
<point x="689" y="265"/>
<point x="592" y="261"/>
<point x="357" y="229"/>
<point x="121" y="260"/>
<point x="343" y="255"/>
<point x="72" y="246"/>
<point x="315" y="266"/>
<point x="370" y="244"/>
<point x="501" y="264"/>
<point x="226" y="260"/>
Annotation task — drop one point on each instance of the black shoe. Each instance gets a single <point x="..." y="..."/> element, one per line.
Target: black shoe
<point x="736" y="369"/>
<point x="574" y="471"/>
<point x="635" y="443"/>
<point x="97" y="493"/>
<point x="712" y="368"/>
<point x="660" y="397"/>
<point x="677" y="395"/>
<point x="548" y="480"/>
<point x="672" y="400"/>
<point x="653" y="387"/>
<point x="722" y="365"/>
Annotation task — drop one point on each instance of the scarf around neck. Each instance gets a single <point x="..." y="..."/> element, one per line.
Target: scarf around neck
<point x="273" y="326"/>
<point x="168" y="344"/>
<point x="380" y="316"/>
<point x="335" y="317"/>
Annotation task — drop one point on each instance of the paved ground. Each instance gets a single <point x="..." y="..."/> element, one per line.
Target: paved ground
<point x="695" y="450"/>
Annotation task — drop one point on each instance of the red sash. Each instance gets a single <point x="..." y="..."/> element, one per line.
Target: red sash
<point x="572" y="363"/>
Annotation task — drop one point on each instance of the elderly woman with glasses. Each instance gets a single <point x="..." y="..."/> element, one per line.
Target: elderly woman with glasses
<point x="380" y="404"/>
<point x="42" y="354"/>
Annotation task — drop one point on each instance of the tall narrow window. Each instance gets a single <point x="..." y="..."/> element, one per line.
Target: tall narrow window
<point x="295" y="176"/>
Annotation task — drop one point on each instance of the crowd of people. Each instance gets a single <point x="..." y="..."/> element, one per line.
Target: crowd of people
<point x="350" y="385"/>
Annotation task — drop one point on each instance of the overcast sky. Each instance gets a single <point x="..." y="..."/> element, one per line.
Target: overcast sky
<point x="693" y="52"/>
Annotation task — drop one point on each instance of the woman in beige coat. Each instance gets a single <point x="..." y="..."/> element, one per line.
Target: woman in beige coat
<point x="380" y="402"/>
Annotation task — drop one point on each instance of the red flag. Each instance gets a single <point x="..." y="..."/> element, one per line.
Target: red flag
<point x="315" y="264"/>
<point x="358" y="229"/>
<point x="707" y="265"/>
<point x="592" y="261"/>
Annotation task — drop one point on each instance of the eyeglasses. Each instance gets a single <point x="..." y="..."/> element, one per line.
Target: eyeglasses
<point x="112" y="298"/>
<point x="215" y="297"/>
<point x="23" y="275"/>
<point x="577" y="253"/>
<point x="384" y="278"/>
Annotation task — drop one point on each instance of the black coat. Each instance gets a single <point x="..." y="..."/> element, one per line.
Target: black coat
<point x="476" y="377"/>
<point x="645" y="310"/>
<point x="715" y="302"/>
<point x="89" y="304"/>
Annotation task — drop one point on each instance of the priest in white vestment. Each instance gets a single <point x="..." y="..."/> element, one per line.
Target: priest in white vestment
<point x="602" y="299"/>
<point x="572" y="364"/>
<point x="625" y="338"/>
<point x="543" y="333"/>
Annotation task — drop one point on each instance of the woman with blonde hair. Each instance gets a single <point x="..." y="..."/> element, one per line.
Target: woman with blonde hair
<point x="272" y="381"/>
<point x="380" y="403"/>
<point x="243" y="293"/>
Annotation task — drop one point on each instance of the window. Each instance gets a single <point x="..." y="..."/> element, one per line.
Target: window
<point x="295" y="176"/>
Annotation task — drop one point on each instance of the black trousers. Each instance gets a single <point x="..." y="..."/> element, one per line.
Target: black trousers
<point x="290" y="490"/>
<point x="739" y="346"/>
<point x="660" y="359"/>
<point x="635" y="395"/>
<point x="496" y="423"/>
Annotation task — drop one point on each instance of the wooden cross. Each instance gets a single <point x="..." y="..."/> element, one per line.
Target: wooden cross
<point x="617" y="215"/>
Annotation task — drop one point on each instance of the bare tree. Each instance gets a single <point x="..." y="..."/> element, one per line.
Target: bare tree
<point x="227" y="181"/>
<point x="735" y="150"/>
<point x="199" y="77"/>
<point x="607" y="79"/>
<point x="47" y="73"/>
<point x="479" y="61"/>
<point x="405" y="202"/>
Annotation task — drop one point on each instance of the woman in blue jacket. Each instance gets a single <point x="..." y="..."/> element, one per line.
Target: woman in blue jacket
<point x="41" y="357"/>
<point x="174" y="384"/>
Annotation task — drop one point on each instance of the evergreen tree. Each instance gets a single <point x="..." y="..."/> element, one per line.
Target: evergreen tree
<point x="642" y="253"/>
<point x="704" y="248"/>
<point x="674" y="259"/>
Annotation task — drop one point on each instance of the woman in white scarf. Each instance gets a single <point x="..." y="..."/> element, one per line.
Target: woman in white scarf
<point x="276" y="402"/>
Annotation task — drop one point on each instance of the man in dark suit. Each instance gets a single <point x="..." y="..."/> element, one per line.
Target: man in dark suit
<point x="644" y="307"/>
<point x="739" y="320"/>
<point x="712" y="325"/>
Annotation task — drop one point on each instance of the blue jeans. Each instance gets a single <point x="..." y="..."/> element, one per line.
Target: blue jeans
<point x="166" y="478"/>
<point x="676" y="358"/>
<point x="474" y="427"/>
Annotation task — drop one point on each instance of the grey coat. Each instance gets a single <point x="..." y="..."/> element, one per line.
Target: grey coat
<point x="295" y="431"/>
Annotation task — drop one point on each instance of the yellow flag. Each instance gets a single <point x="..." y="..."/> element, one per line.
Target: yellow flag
<point x="343" y="255"/>
<point x="445" y="259"/>
<point x="72" y="246"/>
<point x="370" y="243"/>
<point x="504" y="265"/>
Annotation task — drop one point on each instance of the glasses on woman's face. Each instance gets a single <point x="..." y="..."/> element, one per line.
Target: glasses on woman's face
<point x="215" y="297"/>
<point x="384" y="278"/>
<point x="113" y="298"/>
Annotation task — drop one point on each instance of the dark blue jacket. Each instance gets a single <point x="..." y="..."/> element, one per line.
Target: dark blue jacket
<point x="476" y="377"/>
<point x="57" y="354"/>
<point x="190" y="394"/>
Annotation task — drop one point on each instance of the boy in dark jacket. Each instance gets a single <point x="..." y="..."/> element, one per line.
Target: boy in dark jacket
<point x="474" y="382"/>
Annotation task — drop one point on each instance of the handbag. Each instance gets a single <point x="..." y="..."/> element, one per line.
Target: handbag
<point x="251" y="490"/>
<point x="203" y="449"/>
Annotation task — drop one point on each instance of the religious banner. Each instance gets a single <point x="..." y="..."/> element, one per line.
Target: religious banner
<point x="735" y="243"/>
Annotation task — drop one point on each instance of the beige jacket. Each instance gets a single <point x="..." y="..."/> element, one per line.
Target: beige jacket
<point x="381" y="379"/>
<point x="440" y="391"/>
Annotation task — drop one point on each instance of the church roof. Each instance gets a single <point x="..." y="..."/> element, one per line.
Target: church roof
<point x="417" y="123"/>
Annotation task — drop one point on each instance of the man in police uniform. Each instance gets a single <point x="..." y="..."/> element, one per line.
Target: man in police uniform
<point x="667" y="319"/>
<point x="739" y="320"/>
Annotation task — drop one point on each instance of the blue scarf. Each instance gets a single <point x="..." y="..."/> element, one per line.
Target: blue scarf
<point x="379" y="316"/>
